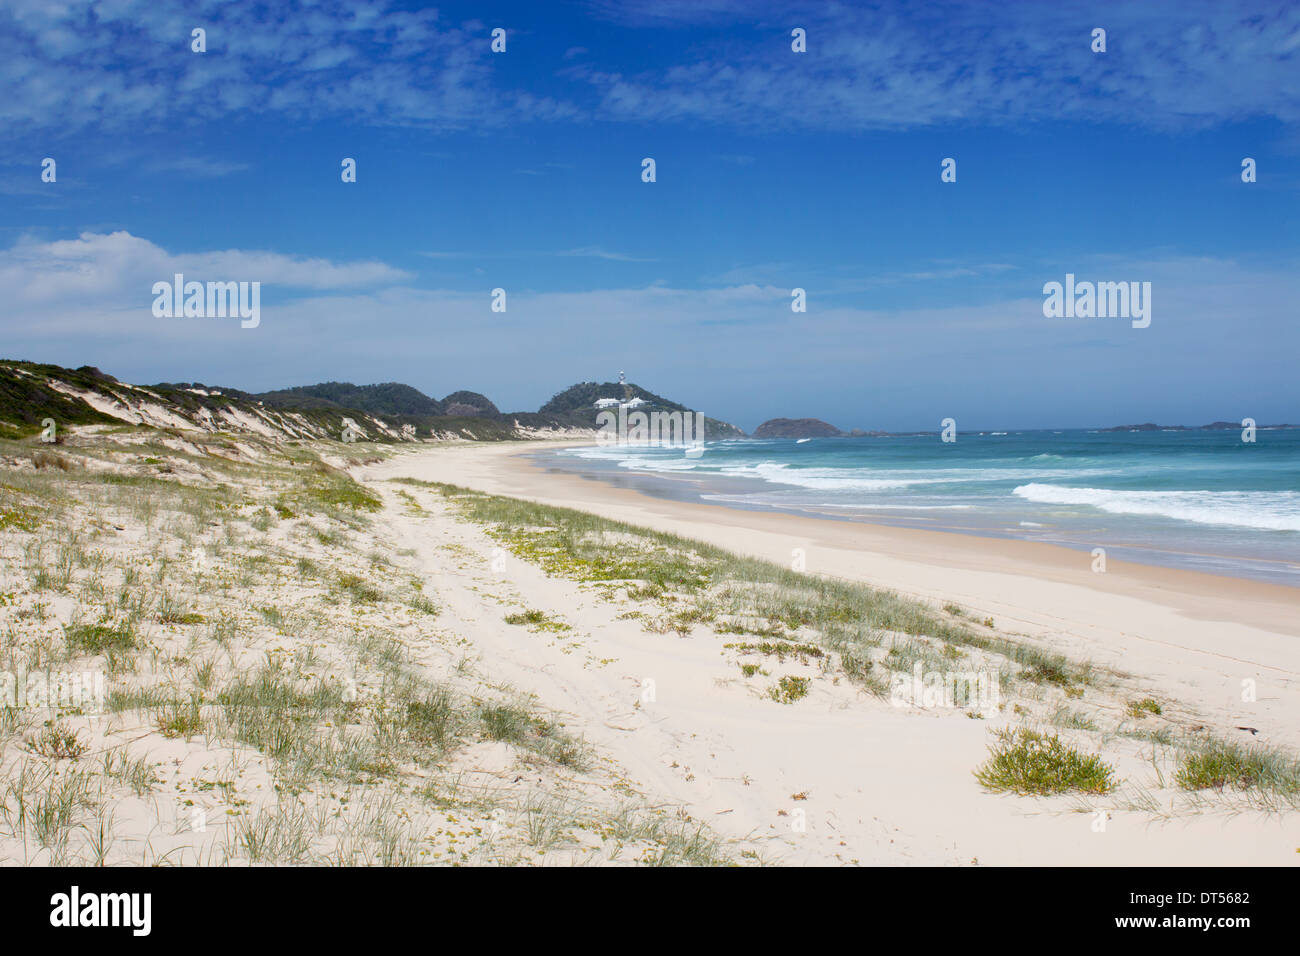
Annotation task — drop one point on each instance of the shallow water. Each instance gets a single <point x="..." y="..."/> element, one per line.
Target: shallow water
<point x="1194" y="499"/>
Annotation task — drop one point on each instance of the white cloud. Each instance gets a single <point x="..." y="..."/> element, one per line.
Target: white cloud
<point x="1221" y="342"/>
<point x="894" y="67"/>
<point x="595" y="252"/>
<point x="128" y="64"/>
<point x="198" y="167"/>
<point x="75" y="65"/>
<point x="116" y="271"/>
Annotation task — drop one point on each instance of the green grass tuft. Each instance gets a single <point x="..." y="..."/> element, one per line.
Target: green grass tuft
<point x="537" y="621"/>
<point x="789" y="689"/>
<point x="1222" y="765"/>
<point x="1148" y="705"/>
<point x="1027" y="762"/>
<point x="98" y="638"/>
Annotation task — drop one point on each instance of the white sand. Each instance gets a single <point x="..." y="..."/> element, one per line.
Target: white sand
<point x="883" y="784"/>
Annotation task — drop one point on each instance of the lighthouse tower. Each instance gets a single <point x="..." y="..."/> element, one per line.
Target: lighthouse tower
<point x="622" y="379"/>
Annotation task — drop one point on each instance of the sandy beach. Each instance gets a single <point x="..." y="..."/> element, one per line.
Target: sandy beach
<point x="443" y="653"/>
<point x="482" y="693"/>
<point x="646" y="434"/>
<point x="872" y="783"/>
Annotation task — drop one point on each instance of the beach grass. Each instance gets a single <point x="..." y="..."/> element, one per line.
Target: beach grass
<point x="853" y="630"/>
<point x="536" y="620"/>
<point x="1024" y="761"/>
<point x="257" y="627"/>
<point x="249" y="623"/>
<point x="699" y="585"/>
<point x="1220" y="766"/>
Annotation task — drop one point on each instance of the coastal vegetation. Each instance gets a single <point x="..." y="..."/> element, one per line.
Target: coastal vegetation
<point x="841" y="630"/>
<point x="689" y="584"/>
<point x="33" y="395"/>
<point x="283" y="683"/>
<point x="276" y="686"/>
<point x="1027" y="762"/>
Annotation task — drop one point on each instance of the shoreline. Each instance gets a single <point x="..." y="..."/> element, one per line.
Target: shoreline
<point x="1195" y="634"/>
<point x="1206" y="553"/>
<point x="883" y="783"/>
<point x="628" y="714"/>
<point x="1272" y="606"/>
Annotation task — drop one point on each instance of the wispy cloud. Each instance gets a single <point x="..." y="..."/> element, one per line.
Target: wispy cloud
<point x="595" y="252"/>
<point x="855" y="363"/>
<point x="129" y="64"/>
<point x="74" y="65"/>
<point x="433" y="254"/>
<point x="197" y="167"/>
<point x="582" y="252"/>
<point x="897" y="67"/>
<point x="68" y="277"/>
<point x="670" y="13"/>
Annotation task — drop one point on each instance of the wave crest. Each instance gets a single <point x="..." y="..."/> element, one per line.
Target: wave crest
<point x="1265" y="510"/>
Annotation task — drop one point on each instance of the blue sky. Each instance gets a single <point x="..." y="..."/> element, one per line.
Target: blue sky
<point x="522" y="170"/>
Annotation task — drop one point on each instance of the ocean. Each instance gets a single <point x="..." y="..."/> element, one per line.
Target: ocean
<point x="1199" y="499"/>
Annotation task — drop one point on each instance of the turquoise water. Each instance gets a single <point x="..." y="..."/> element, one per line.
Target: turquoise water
<point x="1199" y="499"/>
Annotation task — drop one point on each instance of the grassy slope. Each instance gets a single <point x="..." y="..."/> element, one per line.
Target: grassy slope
<point x="868" y="635"/>
<point x="274" y="663"/>
<point x="271" y="664"/>
<point x="27" y="399"/>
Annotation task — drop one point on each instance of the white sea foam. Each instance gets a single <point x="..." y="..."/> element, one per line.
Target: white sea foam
<point x="825" y="479"/>
<point x="817" y="478"/>
<point x="777" y="499"/>
<point x="660" y="464"/>
<point x="1265" y="510"/>
<point x="872" y="479"/>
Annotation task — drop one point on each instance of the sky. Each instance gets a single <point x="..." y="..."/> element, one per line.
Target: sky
<point x="522" y="170"/>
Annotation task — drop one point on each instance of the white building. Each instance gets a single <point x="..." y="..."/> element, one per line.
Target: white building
<point x="614" y="402"/>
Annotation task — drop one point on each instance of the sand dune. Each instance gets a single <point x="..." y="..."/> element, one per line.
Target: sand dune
<point x="843" y="776"/>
